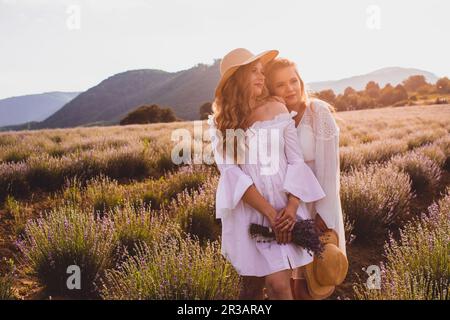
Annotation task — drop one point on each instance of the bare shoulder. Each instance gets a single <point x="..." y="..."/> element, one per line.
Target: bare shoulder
<point x="274" y="107"/>
<point x="276" y="98"/>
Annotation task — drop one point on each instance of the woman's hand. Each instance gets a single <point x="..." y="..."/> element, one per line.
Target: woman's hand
<point x="284" y="224"/>
<point x="271" y="215"/>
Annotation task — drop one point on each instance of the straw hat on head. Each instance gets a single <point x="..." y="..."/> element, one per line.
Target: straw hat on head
<point x="240" y="57"/>
<point x="324" y="274"/>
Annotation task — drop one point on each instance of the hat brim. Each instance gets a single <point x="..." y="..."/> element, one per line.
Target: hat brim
<point x="264" y="57"/>
<point x="340" y="263"/>
<point x="316" y="290"/>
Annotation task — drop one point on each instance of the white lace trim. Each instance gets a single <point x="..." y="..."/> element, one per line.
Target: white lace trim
<point x="210" y="120"/>
<point x="321" y="121"/>
<point x="279" y="118"/>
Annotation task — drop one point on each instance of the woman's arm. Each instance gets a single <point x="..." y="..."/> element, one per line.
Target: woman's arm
<point x="327" y="168"/>
<point x="255" y="199"/>
<point x="235" y="185"/>
<point x="300" y="182"/>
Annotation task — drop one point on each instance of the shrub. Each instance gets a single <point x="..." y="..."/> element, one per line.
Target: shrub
<point x="372" y="202"/>
<point x="42" y="171"/>
<point x="72" y="191"/>
<point x="63" y="237"/>
<point x="419" y="139"/>
<point x="196" y="213"/>
<point x="103" y="194"/>
<point x="444" y="145"/>
<point x="45" y="172"/>
<point x="18" y="214"/>
<point x="377" y="151"/>
<point x="12" y="180"/>
<point x="349" y="158"/>
<point x="7" y="140"/>
<point x="175" y="269"/>
<point x="149" y="114"/>
<point x="417" y="265"/>
<point x="188" y="178"/>
<point x="128" y="163"/>
<point x="7" y="280"/>
<point x="434" y="153"/>
<point x="160" y="192"/>
<point x="424" y="173"/>
<point x="133" y="227"/>
<point x="16" y="154"/>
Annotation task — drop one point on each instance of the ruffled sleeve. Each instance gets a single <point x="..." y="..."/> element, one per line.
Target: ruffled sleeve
<point x="299" y="180"/>
<point x="233" y="182"/>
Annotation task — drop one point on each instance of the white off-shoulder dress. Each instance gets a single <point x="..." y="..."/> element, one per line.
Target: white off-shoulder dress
<point x="248" y="256"/>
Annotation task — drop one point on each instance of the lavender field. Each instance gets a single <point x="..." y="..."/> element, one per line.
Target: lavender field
<point x="111" y="201"/>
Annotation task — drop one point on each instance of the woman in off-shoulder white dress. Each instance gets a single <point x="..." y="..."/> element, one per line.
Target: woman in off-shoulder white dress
<point x="246" y="189"/>
<point x="251" y="258"/>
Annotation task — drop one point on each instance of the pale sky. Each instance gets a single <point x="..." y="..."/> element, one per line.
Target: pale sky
<point x="46" y="46"/>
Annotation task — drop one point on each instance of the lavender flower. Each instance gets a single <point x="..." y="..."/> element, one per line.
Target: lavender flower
<point x="304" y="234"/>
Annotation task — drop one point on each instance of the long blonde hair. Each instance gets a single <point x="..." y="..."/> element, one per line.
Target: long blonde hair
<point x="232" y="105"/>
<point x="281" y="63"/>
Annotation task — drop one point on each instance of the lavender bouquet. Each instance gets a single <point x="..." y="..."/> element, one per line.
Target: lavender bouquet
<point x="304" y="234"/>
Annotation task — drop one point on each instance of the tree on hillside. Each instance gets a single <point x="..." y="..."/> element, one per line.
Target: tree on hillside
<point x="349" y="91"/>
<point x="400" y="93"/>
<point x="413" y="83"/>
<point x="327" y="95"/>
<point x="391" y="95"/>
<point x="386" y="95"/>
<point x="373" y="89"/>
<point x="149" y="114"/>
<point x="205" y="110"/>
<point x="443" y="85"/>
<point x="346" y="102"/>
<point x="167" y="115"/>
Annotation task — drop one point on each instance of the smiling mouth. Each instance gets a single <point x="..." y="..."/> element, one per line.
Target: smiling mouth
<point x="290" y="96"/>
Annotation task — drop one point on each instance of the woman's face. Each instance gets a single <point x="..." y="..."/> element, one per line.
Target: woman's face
<point x="256" y="78"/>
<point x="286" y="85"/>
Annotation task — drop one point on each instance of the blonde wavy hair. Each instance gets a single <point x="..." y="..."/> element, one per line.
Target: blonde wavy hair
<point x="232" y="105"/>
<point x="281" y="63"/>
<point x="278" y="64"/>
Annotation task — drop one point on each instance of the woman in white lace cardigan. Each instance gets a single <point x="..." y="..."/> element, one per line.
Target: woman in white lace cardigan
<point x="318" y="140"/>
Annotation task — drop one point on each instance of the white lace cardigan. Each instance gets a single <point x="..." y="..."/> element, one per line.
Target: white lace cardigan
<point x="319" y="142"/>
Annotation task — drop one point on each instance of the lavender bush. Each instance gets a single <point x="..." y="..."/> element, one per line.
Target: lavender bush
<point x="133" y="226"/>
<point x="63" y="237"/>
<point x="196" y="212"/>
<point x="424" y="173"/>
<point x="417" y="265"/>
<point x="176" y="269"/>
<point x="375" y="198"/>
<point x="7" y="279"/>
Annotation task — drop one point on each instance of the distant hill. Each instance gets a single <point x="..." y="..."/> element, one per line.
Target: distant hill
<point x="392" y="75"/>
<point x="33" y="107"/>
<point x="184" y="91"/>
<point x="113" y="98"/>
